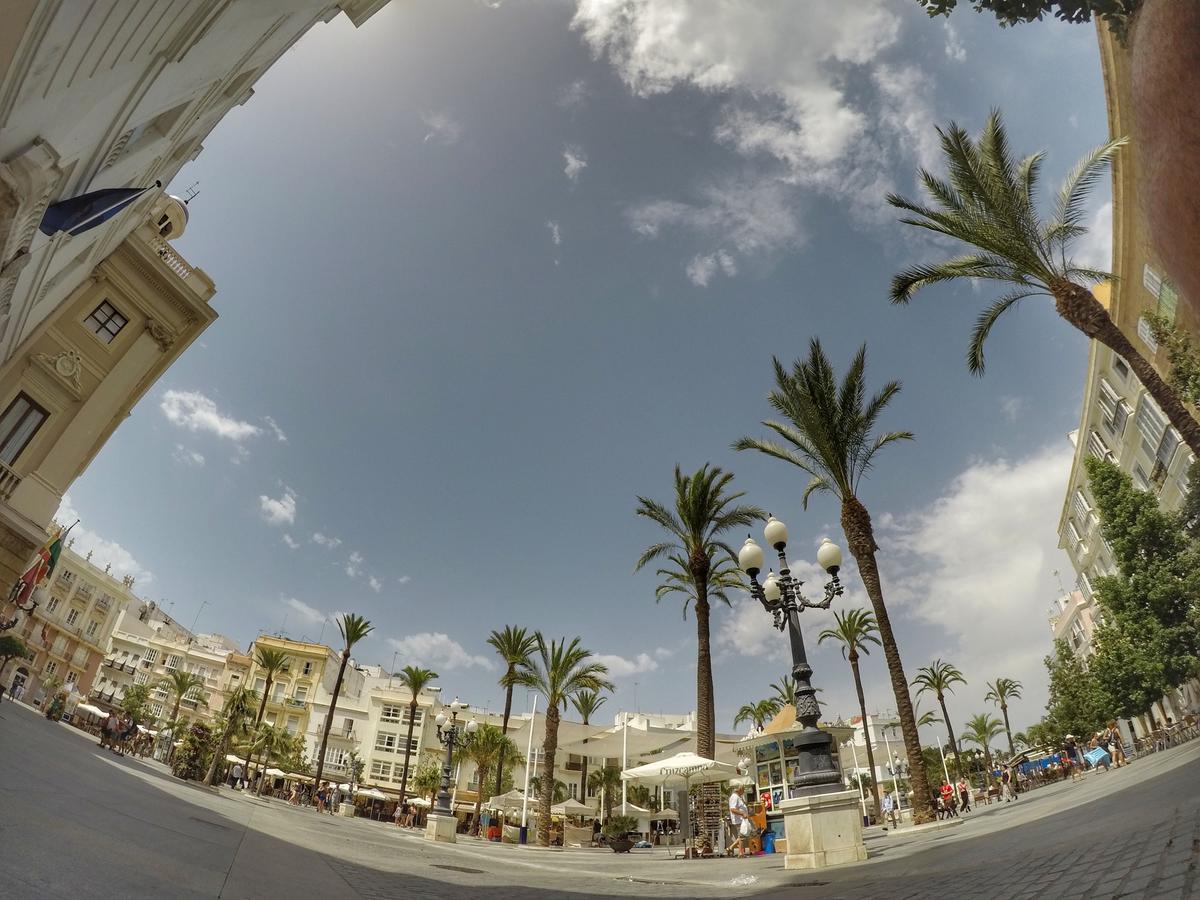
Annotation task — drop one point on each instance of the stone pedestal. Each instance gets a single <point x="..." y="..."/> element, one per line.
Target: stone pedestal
<point x="346" y="810"/>
<point x="441" y="828"/>
<point x="823" y="830"/>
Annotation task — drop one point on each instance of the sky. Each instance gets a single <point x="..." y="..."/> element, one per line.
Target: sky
<point x="487" y="271"/>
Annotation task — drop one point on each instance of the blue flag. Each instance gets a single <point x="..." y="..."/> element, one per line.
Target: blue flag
<point x="76" y="215"/>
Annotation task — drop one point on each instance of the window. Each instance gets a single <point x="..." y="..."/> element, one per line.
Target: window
<point x="51" y="667"/>
<point x="1085" y="585"/>
<point x="1115" y="412"/>
<point x="141" y="677"/>
<point x="67" y="576"/>
<point x="151" y="655"/>
<point x="1077" y="544"/>
<point x="156" y="710"/>
<point x="1147" y="336"/>
<point x="52" y="605"/>
<point x="260" y="685"/>
<point x="1151" y="280"/>
<point x="1166" y="449"/>
<point x="573" y="787"/>
<point x="335" y="756"/>
<point x="277" y="692"/>
<point x="308" y="667"/>
<point x="93" y="627"/>
<point x="72" y="677"/>
<point x="1168" y="301"/>
<point x="1140" y="479"/>
<point x="380" y="769"/>
<point x="1151" y="424"/>
<point x="293" y="724"/>
<point x="173" y="661"/>
<point x="386" y="741"/>
<point x="18" y="425"/>
<point x="105" y="322"/>
<point x="1120" y="367"/>
<point x="72" y="616"/>
<point x="417" y="720"/>
<point x="390" y="713"/>
<point x="1096" y="446"/>
<point x="347" y="727"/>
<point x="160" y="692"/>
<point x="301" y="693"/>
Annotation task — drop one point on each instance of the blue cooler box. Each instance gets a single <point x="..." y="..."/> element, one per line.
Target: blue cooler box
<point x="1098" y="757"/>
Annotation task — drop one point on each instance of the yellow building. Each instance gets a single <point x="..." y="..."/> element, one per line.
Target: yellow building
<point x="294" y="687"/>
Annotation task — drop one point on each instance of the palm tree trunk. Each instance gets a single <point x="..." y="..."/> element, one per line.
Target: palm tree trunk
<point x="706" y="738"/>
<point x="546" y="785"/>
<point x="504" y="728"/>
<point x="1080" y="307"/>
<point x="856" y="523"/>
<point x="412" y="718"/>
<point x="950" y="734"/>
<point x="583" y="771"/>
<point x="1012" y="750"/>
<point x="219" y="755"/>
<point x="337" y="689"/>
<point x="862" y="708"/>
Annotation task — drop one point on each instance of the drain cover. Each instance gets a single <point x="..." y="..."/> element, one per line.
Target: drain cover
<point x="459" y="869"/>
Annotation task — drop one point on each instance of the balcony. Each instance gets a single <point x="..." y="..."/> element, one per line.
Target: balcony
<point x="295" y="702"/>
<point x="9" y="482"/>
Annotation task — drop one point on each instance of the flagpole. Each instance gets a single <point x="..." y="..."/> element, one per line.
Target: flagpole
<point x="127" y="201"/>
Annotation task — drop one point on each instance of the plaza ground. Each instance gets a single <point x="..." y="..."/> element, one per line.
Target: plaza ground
<point x="79" y="822"/>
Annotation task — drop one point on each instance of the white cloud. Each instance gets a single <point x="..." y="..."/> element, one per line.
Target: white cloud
<point x="375" y="583"/>
<point x="620" y="667"/>
<point x="196" y="412"/>
<point x="438" y="651"/>
<point x="954" y="45"/>
<point x="187" y="457"/>
<point x="907" y="111"/>
<point x="1094" y="249"/>
<point x="240" y="454"/>
<point x="306" y="612"/>
<point x="574" y="95"/>
<point x="404" y="579"/>
<point x="278" y="511"/>
<point x="104" y="552"/>
<point x="354" y="564"/>
<point x="1011" y="407"/>
<point x="326" y="540"/>
<point x="443" y="128"/>
<point x="275" y="429"/>
<point x="555" y="232"/>
<point x="703" y="267"/>
<point x="291" y="542"/>
<point x="575" y="161"/>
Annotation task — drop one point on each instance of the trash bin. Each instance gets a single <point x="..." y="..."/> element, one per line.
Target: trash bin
<point x="768" y="841"/>
<point x="524" y="838"/>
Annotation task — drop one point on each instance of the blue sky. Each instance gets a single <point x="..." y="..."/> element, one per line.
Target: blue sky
<point x="487" y="271"/>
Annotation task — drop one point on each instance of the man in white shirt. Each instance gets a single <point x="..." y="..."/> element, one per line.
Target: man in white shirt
<point x="739" y="818"/>
<point x="889" y="810"/>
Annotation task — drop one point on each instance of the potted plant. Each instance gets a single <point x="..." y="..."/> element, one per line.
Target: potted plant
<point x="616" y="831"/>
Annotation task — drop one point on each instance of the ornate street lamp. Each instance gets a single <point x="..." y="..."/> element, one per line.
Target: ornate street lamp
<point x="780" y="595"/>
<point x="447" y="732"/>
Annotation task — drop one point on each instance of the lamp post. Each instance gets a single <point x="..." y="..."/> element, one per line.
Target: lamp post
<point x="447" y="732"/>
<point x="780" y="595"/>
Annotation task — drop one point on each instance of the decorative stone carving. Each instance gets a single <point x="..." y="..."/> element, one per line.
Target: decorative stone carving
<point x="65" y="367"/>
<point x="163" y="336"/>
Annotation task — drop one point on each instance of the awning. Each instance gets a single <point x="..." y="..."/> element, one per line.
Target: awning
<point x="373" y="794"/>
<point x="91" y="710"/>
<point x="572" y="807"/>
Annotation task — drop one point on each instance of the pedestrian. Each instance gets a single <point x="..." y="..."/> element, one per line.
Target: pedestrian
<point x="1006" y="785"/>
<point x="1115" y="744"/>
<point x="739" y="818"/>
<point x="889" y="810"/>
<point x="235" y="777"/>
<point x="321" y="797"/>
<point x="964" y="794"/>
<point x="2" y="690"/>
<point x="947" y="793"/>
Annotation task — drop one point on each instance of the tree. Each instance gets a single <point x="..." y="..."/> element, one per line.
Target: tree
<point x="586" y="703"/>
<point x="828" y="433"/>
<point x="181" y="683"/>
<point x="939" y="679"/>
<point x="1076" y="704"/>
<point x="11" y="647"/>
<point x="415" y="679"/>
<point x="999" y="692"/>
<point x="427" y="779"/>
<point x="1117" y="14"/>
<point x="270" y="660"/>
<point x="990" y="203"/>
<point x="855" y="630"/>
<point x="677" y="579"/>
<point x="513" y="646"/>
<point x="703" y="510"/>
<point x="606" y="782"/>
<point x="353" y="628"/>
<point x="135" y="700"/>
<point x="194" y="753"/>
<point x="238" y="709"/>
<point x="558" y="671"/>
<point x="485" y="748"/>
<point x="270" y="743"/>
<point x="758" y="714"/>
<point x="927" y="718"/>
<point x="560" y="790"/>
<point x="981" y="730"/>
<point x="785" y="691"/>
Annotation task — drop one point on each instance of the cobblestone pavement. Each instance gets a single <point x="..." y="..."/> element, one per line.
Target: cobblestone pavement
<point x="78" y="823"/>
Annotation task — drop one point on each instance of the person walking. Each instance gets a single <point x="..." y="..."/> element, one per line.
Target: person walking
<point x="235" y="777"/>
<point x="1006" y="790"/>
<point x="1116" y="744"/>
<point x="947" y="793"/>
<point x="964" y="794"/>
<point x="889" y="810"/>
<point x="739" y="818"/>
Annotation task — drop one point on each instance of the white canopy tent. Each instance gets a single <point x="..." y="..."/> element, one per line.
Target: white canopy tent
<point x="512" y="800"/>
<point x="90" y="710"/>
<point x="687" y="767"/>
<point x="373" y="794"/>
<point x="572" y="807"/>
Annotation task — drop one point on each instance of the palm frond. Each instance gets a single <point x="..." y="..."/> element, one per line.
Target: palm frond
<point x="984" y="324"/>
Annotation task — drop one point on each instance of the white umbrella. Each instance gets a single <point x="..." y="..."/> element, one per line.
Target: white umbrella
<point x="90" y="710"/>
<point x="687" y="767"/>
<point x="373" y="794"/>
<point x="665" y="815"/>
<point x="275" y="773"/>
<point x="421" y="802"/>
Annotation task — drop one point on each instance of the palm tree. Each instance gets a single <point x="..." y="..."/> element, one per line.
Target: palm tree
<point x="485" y="747"/>
<point x="238" y="709"/>
<point x="415" y="679"/>
<point x="940" y="678"/>
<point x="677" y="579"/>
<point x="785" y="691"/>
<point x="981" y="730"/>
<point x="990" y="204"/>
<point x="855" y="630"/>
<point x="1021" y="740"/>
<point x="999" y="692"/>
<point x="759" y="714"/>
<point x="514" y="646"/>
<point x="270" y="743"/>
<point x="703" y="511"/>
<point x="927" y="718"/>
<point x="270" y="660"/>
<point x="353" y="628"/>
<point x="606" y="782"/>
<point x="180" y="683"/>
<point x="828" y="433"/>
<point x="586" y="703"/>
<point x="559" y="789"/>
<point x="558" y="671"/>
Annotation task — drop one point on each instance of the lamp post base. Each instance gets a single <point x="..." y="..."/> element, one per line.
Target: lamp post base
<point x="441" y="828"/>
<point x="823" y="830"/>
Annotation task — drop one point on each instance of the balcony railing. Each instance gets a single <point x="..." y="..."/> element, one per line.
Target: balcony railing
<point x="171" y="258"/>
<point x="296" y="702"/>
<point x="9" y="482"/>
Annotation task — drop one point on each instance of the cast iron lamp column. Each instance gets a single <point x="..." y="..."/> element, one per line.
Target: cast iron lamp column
<point x="447" y="732"/>
<point x="780" y="595"/>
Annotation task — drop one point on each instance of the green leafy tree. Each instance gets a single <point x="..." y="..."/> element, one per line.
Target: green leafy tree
<point x="1076" y="704"/>
<point x="586" y="703"/>
<point x="758" y="714"/>
<point x="353" y="629"/>
<point x="427" y="778"/>
<point x="785" y="691"/>
<point x="513" y="645"/>
<point x="828" y="432"/>
<point x="192" y="759"/>
<point x="135" y="700"/>
<point x="855" y="631"/>
<point x="11" y="647"/>
<point x="415" y="679"/>
<point x="558" y="671"/>
<point x="939" y="679"/>
<point x="1000" y="692"/>
<point x="606" y="782"/>
<point x="1117" y="14"/>
<point x="641" y="795"/>
<point x="485" y="748"/>
<point x="236" y="712"/>
<point x="703" y="511"/>
<point x="990" y="203"/>
<point x="981" y="730"/>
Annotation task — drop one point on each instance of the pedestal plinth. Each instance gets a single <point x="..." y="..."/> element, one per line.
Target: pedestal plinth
<point x="441" y="828"/>
<point x="346" y="810"/>
<point x="823" y="830"/>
